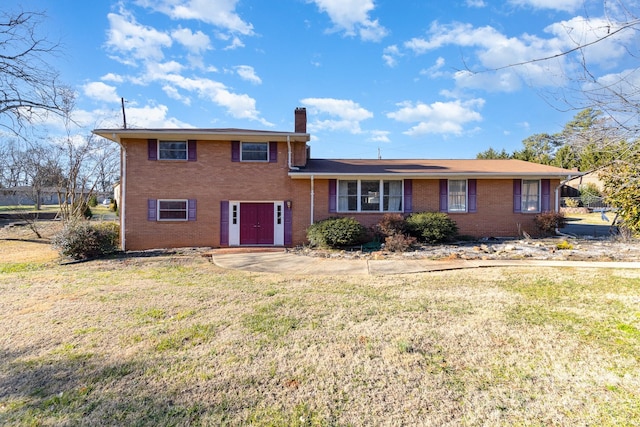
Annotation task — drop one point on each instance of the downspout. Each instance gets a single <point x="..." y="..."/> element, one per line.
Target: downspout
<point x="312" y="197"/>
<point x="557" y="192"/>
<point x="289" y="155"/>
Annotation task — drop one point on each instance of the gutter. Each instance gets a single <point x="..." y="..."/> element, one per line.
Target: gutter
<point x="557" y="205"/>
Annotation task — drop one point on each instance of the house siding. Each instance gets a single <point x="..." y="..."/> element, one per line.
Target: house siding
<point x="494" y="214"/>
<point x="212" y="178"/>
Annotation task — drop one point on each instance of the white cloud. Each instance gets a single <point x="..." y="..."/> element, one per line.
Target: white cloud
<point x="352" y="17"/>
<point x="111" y="77"/>
<point x="435" y="70"/>
<point x="345" y="115"/>
<point x="246" y="72"/>
<point x="390" y="55"/>
<point x="194" y="42"/>
<point x="134" y="41"/>
<point x="379" y="136"/>
<point x="564" y="5"/>
<point x="220" y="13"/>
<point x="476" y="3"/>
<point x="152" y="116"/>
<point x="438" y="117"/>
<point x="101" y="92"/>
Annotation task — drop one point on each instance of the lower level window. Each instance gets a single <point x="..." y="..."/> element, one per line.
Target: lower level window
<point x="172" y="210"/>
<point x="369" y="196"/>
<point x="530" y="195"/>
<point x="457" y="195"/>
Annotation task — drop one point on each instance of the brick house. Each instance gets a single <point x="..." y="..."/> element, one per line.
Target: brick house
<point x="234" y="187"/>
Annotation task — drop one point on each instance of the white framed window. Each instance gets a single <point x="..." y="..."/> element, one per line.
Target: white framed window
<point x="457" y="195"/>
<point x="173" y="210"/>
<point x="254" y="152"/>
<point x="530" y="195"/>
<point x="172" y="150"/>
<point x="369" y="195"/>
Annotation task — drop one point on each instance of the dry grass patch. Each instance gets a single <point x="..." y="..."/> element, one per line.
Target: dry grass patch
<point x="175" y="340"/>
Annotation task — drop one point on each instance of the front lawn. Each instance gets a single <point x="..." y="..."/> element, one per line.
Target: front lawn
<point x="175" y="340"/>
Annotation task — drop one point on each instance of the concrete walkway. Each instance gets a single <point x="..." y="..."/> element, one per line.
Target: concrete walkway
<point x="288" y="263"/>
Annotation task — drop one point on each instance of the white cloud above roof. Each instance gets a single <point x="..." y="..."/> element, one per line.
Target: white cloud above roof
<point x="246" y="72"/>
<point x="352" y="17"/>
<point x="438" y="117"/>
<point x="101" y="92"/>
<point x="344" y="115"/>
<point x="195" y="42"/>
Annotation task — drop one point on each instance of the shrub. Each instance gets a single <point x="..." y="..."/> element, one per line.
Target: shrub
<point x="83" y="239"/>
<point x="571" y="202"/>
<point x="113" y="206"/>
<point x="431" y="227"/>
<point x="399" y="242"/>
<point x="336" y="232"/>
<point x="564" y="245"/>
<point x="391" y="224"/>
<point x="547" y="222"/>
<point x="589" y="193"/>
<point x="93" y="201"/>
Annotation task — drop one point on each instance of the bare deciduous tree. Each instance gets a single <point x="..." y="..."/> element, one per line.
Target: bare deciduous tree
<point x="28" y="84"/>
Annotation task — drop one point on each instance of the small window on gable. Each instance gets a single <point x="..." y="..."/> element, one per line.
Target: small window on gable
<point x="255" y="152"/>
<point x="172" y="210"/>
<point x="172" y="150"/>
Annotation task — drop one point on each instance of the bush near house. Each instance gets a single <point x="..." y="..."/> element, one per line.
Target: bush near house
<point x="393" y="229"/>
<point x="336" y="232"/>
<point x="83" y="239"/>
<point x="431" y="227"/>
<point x="547" y="222"/>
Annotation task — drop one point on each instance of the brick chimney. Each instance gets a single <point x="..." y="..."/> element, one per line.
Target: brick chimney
<point x="300" y="120"/>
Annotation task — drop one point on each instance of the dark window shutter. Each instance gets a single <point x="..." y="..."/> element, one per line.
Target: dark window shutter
<point x="471" y="193"/>
<point x="273" y="152"/>
<point x="444" y="199"/>
<point x="235" y="151"/>
<point x="288" y="226"/>
<point x="152" y="148"/>
<point x="333" y="184"/>
<point x="517" y="195"/>
<point x="545" y="189"/>
<point x="408" y="196"/>
<point x="191" y="210"/>
<point x="224" y="223"/>
<point x="191" y="150"/>
<point x="152" y="210"/>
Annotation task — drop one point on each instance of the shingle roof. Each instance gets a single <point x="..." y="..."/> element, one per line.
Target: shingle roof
<point x="427" y="168"/>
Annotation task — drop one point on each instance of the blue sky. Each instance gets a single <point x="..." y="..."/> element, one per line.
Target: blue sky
<point x="385" y="76"/>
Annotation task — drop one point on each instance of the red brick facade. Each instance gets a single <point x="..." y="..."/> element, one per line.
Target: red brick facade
<point x="218" y="185"/>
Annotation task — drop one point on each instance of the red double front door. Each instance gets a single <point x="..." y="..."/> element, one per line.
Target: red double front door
<point x="256" y="223"/>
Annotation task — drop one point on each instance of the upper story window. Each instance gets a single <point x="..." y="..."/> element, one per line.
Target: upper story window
<point x="369" y="196"/>
<point x="255" y="152"/>
<point x="530" y="195"/>
<point x="172" y="150"/>
<point x="457" y="195"/>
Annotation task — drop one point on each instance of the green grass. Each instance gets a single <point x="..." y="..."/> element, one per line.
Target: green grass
<point x="175" y="340"/>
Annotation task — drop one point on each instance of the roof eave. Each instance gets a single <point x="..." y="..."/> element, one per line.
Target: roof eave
<point x="118" y="135"/>
<point x="461" y="174"/>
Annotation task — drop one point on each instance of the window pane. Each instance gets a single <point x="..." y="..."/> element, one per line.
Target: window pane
<point x="173" y="150"/>
<point x="530" y="195"/>
<point x="457" y="195"/>
<point x="347" y="195"/>
<point x="173" y="209"/>
<point x="370" y="195"/>
<point x="392" y="195"/>
<point x="255" y="151"/>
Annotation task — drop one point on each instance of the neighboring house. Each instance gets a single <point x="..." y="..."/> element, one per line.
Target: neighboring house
<point x="233" y="187"/>
<point x="572" y="187"/>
